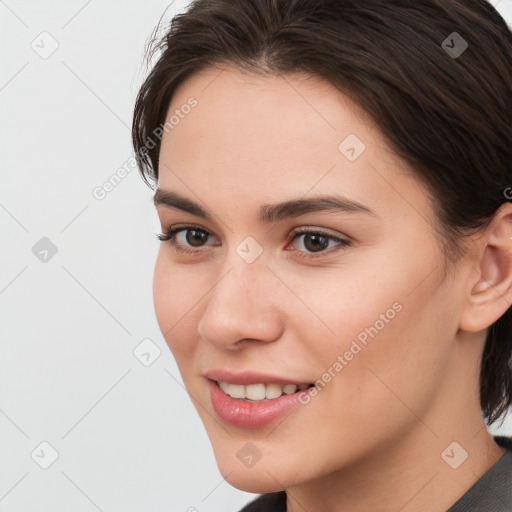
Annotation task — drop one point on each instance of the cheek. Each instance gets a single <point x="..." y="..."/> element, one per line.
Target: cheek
<point x="343" y="305"/>
<point x="389" y="364"/>
<point x="382" y="322"/>
<point x="174" y="297"/>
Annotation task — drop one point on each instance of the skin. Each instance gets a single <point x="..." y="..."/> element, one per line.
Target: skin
<point x="372" y="438"/>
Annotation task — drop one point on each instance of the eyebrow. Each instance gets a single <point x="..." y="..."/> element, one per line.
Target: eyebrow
<point x="269" y="212"/>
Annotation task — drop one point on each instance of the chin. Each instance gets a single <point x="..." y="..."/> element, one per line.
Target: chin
<point x="260" y="478"/>
<point x="257" y="483"/>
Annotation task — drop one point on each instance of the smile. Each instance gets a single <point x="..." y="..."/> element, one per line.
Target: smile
<point x="259" y="392"/>
<point x="256" y="409"/>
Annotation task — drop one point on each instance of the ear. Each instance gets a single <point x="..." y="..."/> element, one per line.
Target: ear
<point x="491" y="287"/>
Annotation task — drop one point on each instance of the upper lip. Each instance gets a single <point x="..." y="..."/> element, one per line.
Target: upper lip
<point x="250" y="377"/>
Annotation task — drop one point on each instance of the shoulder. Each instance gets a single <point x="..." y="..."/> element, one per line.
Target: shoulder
<point x="493" y="490"/>
<point x="270" y="502"/>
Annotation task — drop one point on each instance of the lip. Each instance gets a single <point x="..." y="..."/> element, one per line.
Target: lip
<point x="250" y="377"/>
<point x="248" y="414"/>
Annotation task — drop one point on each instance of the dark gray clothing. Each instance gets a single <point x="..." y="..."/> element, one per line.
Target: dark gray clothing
<point x="491" y="493"/>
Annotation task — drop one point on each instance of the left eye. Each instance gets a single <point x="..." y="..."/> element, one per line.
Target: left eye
<point x="317" y="241"/>
<point x="314" y="241"/>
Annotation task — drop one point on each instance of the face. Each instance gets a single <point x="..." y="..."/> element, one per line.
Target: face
<point x="359" y="305"/>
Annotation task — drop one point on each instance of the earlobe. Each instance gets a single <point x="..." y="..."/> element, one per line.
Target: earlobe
<point x="491" y="295"/>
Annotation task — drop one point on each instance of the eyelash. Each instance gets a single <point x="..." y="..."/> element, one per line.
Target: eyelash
<point x="170" y="236"/>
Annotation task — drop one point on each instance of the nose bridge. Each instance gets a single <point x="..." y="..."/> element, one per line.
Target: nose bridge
<point x="241" y="305"/>
<point x="245" y="268"/>
<point x="244" y="283"/>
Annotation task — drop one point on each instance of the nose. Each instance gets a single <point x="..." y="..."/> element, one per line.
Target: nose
<point x="242" y="306"/>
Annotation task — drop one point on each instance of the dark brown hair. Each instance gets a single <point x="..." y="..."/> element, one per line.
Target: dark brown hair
<point x="449" y="116"/>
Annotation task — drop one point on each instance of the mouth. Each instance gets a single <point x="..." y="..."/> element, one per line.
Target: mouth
<point x="259" y="392"/>
<point x="254" y="405"/>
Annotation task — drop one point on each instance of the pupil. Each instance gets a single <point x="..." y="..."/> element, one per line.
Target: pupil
<point x="316" y="246"/>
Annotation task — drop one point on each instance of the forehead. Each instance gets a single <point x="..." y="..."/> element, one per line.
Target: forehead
<point x="266" y="137"/>
<point x="298" y="108"/>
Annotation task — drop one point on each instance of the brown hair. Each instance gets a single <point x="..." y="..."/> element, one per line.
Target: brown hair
<point x="448" y="115"/>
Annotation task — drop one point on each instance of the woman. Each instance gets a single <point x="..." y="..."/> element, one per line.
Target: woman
<point x="335" y="274"/>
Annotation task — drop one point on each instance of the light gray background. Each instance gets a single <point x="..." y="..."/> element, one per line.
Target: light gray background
<point x="127" y="435"/>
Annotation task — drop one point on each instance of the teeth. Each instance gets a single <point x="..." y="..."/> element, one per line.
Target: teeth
<point x="289" y="389"/>
<point x="237" y="391"/>
<point x="224" y="386"/>
<point x="258" y="392"/>
<point x="273" y="391"/>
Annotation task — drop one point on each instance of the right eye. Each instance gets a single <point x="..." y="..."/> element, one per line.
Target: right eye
<point x="198" y="235"/>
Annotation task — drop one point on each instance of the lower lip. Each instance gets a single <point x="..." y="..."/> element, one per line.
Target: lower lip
<point x="248" y="414"/>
